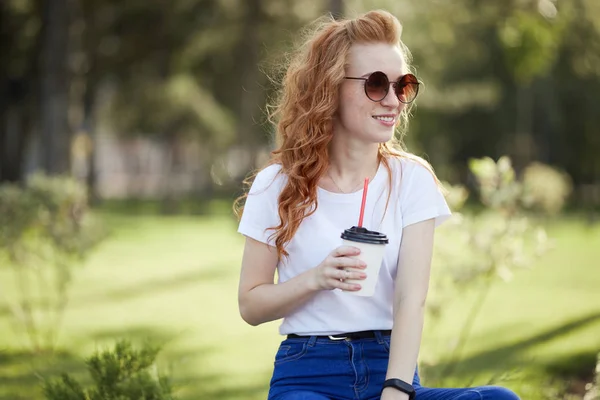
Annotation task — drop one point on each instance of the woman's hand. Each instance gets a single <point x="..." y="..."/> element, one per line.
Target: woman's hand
<point x="337" y="267"/>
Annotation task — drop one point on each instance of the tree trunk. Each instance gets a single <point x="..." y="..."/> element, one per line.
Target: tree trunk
<point x="10" y="170"/>
<point x="525" y="150"/>
<point x="13" y="139"/>
<point x="544" y="123"/>
<point x="89" y="126"/>
<point x="14" y="100"/>
<point x="251" y="95"/>
<point x="54" y="88"/>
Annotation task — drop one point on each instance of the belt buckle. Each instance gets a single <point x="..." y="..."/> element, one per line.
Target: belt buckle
<point x="332" y="337"/>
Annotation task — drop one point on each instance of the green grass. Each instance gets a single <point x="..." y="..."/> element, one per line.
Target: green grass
<point x="173" y="280"/>
<point x="540" y="332"/>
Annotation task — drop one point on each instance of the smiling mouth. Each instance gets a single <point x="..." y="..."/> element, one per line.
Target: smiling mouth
<point x="385" y="118"/>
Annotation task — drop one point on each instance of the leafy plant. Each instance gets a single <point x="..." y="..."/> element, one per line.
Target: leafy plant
<point x="593" y="388"/>
<point x="119" y="374"/>
<point x="45" y="231"/>
<point x="477" y="250"/>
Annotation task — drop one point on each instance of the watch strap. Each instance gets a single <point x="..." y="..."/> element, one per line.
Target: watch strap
<point x="400" y="385"/>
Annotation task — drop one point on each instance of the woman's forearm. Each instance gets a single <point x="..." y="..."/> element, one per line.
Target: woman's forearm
<point x="269" y="302"/>
<point x="414" y="267"/>
<point x="406" y="339"/>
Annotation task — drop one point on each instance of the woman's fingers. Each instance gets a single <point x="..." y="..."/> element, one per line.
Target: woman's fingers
<point x="349" y="286"/>
<point x="338" y="278"/>
<point x="345" y="251"/>
<point x="337" y="284"/>
<point x="341" y="265"/>
<point x="344" y="274"/>
<point x="347" y="262"/>
<point x="356" y="275"/>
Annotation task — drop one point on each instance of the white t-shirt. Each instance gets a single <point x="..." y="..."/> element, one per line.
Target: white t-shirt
<point x="415" y="197"/>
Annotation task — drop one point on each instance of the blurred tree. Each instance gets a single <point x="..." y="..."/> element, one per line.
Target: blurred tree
<point x="487" y="65"/>
<point x="20" y="42"/>
<point x="574" y="105"/>
<point x="530" y="39"/>
<point x="166" y="81"/>
<point x="54" y="87"/>
<point x="215" y="82"/>
<point x="201" y="70"/>
<point x="92" y="19"/>
<point x="252" y="95"/>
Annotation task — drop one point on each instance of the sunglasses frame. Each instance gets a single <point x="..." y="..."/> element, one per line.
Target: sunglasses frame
<point x="387" y="88"/>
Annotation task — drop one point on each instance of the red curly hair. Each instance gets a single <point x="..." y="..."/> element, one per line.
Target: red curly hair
<point x="306" y="109"/>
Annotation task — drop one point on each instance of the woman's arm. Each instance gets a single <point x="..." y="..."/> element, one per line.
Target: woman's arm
<point x="260" y="300"/>
<point x="412" y="284"/>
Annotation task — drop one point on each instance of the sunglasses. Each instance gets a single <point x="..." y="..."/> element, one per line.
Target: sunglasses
<point x="377" y="86"/>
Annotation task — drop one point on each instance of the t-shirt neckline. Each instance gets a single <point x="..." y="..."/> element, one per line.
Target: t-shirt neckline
<point x="324" y="194"/>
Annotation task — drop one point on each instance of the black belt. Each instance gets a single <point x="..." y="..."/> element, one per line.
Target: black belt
<point x="342" y="336"/>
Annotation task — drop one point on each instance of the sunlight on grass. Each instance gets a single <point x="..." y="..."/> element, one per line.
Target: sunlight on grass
<point x="173" y="280"/>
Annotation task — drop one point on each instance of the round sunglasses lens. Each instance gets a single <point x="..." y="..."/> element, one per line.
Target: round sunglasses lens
<point x="407" y="88"/>
<point x="408" y="93"/>
<point x="377" y="86"/>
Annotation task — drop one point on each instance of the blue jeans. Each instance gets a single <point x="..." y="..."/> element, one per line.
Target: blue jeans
<point x="314" y="368"/>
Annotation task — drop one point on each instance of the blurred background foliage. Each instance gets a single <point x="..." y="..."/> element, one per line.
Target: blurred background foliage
<point x="519" y="78"/>
<point x="115" y="113"/>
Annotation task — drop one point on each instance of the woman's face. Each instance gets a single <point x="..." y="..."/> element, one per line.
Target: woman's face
<point x="358" y="116"/>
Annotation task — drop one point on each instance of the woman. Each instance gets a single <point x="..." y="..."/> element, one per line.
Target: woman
<point x="344" y="94"/>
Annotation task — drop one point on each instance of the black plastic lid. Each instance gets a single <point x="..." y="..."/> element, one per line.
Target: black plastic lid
<point x="363" y="235"/>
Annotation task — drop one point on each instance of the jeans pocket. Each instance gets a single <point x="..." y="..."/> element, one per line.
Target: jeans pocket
<point x="386" y="344"/>
<point x="290" y="351"/>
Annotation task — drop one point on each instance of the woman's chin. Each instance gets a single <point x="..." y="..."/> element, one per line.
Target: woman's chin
<point x="376" y="137"/>
<point x="382" y="137"/>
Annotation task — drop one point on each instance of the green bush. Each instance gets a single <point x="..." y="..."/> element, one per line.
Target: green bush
<point x="478" y="249"/>
<point x="593" y="388"/>
<point x="46" y="230"/>
<point x="120" y="374"/>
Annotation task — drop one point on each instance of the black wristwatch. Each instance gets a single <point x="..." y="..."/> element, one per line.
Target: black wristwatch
<point x="400" y="385"/>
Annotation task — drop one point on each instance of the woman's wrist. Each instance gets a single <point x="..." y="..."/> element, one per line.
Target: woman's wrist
<point x="398" y="385"/>
<point x="310" y="280"/>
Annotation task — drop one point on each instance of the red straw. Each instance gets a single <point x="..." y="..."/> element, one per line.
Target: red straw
<point x="364" y="200"/>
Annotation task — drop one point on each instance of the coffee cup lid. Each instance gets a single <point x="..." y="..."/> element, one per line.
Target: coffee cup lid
<point x="363" y="235"/>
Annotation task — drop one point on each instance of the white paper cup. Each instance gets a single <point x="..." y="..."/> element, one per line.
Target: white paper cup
<point x="372" y="248"/>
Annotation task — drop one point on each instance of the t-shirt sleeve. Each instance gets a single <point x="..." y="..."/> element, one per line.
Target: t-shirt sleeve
<point x="260" y="210"/>
<point x="421" y="197"/>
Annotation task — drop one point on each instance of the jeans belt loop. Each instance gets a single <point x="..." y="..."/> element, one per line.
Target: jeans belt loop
<point x="379" y="337"/>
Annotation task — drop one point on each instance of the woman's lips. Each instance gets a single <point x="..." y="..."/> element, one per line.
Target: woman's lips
<point x="388" y="120"/>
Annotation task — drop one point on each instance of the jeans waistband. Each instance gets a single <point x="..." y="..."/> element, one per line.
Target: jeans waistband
<point x="347" y="336"/>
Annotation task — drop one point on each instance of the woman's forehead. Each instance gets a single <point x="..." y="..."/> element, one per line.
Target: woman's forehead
<point x="365" y="58"/>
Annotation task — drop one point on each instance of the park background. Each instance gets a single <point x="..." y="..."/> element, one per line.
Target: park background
<point x="127" y="128"/>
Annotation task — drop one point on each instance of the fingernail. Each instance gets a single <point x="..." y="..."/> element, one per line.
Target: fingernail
<point x="363" y="276"/>
<point x="357" y="287"/>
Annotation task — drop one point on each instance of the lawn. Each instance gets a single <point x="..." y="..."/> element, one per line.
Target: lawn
<point x="173" y="280"/>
